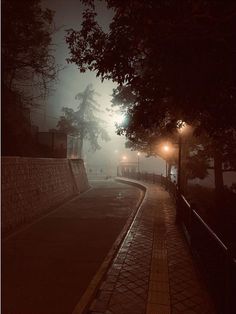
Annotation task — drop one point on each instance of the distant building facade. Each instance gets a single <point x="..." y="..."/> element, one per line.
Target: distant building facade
<point x="127" y="166"/>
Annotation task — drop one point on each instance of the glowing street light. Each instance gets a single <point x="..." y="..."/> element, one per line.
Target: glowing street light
<point x="166" y="149"/>
<point x="138" y="154"/>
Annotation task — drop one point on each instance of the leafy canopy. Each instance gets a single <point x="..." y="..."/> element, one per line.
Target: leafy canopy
<point x="28" y="61"/>
<point x="176" y="57"/>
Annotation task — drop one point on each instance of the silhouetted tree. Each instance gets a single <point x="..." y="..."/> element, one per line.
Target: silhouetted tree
<point x="83" y="122"/>
<point x="177" y="58"/>
<point x="200" y="149"/>
<point x="28" y="63"/>
<point x="28" y="68"/>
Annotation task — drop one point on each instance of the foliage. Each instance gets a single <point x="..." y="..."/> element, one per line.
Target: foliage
<point x="178" y="58"/>
<point x="196" y="166"/>
<point x="83" y="121"/>
<point x="28" y="67"/>
<point x="173" y="60"/>
<point x="28" y="63"/>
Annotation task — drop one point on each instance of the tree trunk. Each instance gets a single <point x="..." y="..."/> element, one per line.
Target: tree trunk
<point x="219" y="183"/>
<point x="184" y="179"/>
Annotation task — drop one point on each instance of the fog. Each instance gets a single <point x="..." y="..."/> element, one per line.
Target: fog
<point x="68" y="14"/>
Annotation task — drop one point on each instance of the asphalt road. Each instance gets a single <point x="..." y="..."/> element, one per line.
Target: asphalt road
<point x="47" y="267"/>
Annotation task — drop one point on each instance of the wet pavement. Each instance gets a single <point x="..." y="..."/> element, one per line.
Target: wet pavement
<point x="153" y="271"/>
<point x="47" y="267"/>
<point x="97" y="255"/>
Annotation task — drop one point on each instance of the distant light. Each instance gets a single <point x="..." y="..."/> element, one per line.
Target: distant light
<point x="166" y="148"/>
<point x="124" y="158"/>
<point x="181" y="125"/>
<point x="138" y="153"/>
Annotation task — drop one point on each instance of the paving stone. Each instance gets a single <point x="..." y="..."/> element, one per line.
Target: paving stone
<point x="153" y="271"/>
<point x="99" y="305"/>
<point x="108" y="286"/>
<point x="189" y="312"/>
<point x="111" y="279"/>
<point x="158" y="309"/>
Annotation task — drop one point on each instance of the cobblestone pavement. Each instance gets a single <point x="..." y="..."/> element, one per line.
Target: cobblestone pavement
<point x="153" y="271"/>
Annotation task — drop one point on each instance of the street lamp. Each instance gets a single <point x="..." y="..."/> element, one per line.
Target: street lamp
<point x="138" y="154"/>
<point x="166" y="149"/>
<point x="181" y="125"/>
<point x="123" y="167"/>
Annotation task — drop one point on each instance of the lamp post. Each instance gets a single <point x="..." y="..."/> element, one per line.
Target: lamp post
<point x="124" y="170"/>
<point x="166" y="150"/>
<point x="181" y="128"/>
<point x="138" y="154"/>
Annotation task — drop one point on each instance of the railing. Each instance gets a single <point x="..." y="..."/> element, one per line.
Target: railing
<point x="215" y="259"/>
<point x="214" y="256"/>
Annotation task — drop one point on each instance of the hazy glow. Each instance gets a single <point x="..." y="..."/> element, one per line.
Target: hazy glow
<point x="166" y="148"/>
<point x="118" y="118"/>
<point x="71" y="81"/>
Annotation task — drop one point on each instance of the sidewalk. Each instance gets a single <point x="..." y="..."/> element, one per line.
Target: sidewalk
<point x="153" y="271"/>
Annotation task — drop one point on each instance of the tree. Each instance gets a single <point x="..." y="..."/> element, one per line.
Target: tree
<point x="28" y="68"/>
<point x="165" y="50"/>
<point x="177" y="58"/>
<point x="83" y="122"/>
<point x="26" y="47"/>
<point x="144" y="133"/>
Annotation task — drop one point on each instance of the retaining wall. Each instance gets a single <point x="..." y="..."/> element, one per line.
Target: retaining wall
<point x="79" y="174"/>
<point x="34" y="186"/>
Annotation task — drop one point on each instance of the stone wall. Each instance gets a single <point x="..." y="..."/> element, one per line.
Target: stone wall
<point x="34" y="186"/>
<point x="79" y="174"/>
